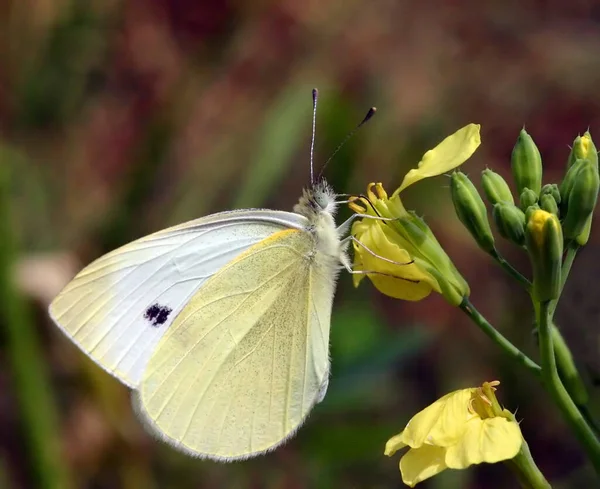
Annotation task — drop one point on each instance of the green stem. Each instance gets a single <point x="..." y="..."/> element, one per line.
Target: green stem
<point x="38" y="413"/>
<point x="587" y="414"/>
<point x="559" y="394"/>
<point x="567" y="370"/>
<point x="527" y="472"/>
<point x="572" y="249"/>
<point x="564" y="359"/>
<point x="512" y="271"/>
<point x="498" y="338"/>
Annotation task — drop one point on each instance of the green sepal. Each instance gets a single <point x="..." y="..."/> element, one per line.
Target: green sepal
<point x="526" y="164"/>
<point x="471" y="210"/>
<point x="510" y="222"/>
<point x="548" y="203"/>
<point x="527" y="198"/>
<point x="495" y="188"/>
<point x="583" y="149"/>
<point x="582" y="199"/>
<point x="544" y="240"/>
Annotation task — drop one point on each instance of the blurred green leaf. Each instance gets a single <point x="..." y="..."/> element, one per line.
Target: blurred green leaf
<point x="364" y="353"/>
<point x="285" y="130"/>
<point x="53" y="84"/>
<point x="338" y="118"/>
<point x="38" y="410"/>
<point x="31" y="205"/>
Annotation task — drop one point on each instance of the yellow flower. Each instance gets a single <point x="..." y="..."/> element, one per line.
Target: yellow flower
<point x="414" y="262"/>
<point x="462" y="428"/>
<point x="544" y="240"/>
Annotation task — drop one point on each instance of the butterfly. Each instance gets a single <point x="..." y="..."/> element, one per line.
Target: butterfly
<point x="220" y="326"/>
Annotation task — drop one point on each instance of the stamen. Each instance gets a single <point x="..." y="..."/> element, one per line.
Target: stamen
<point x="381" y="193"/>
<point x="470" y="407"/>
<point x="485" y="399"/>
<point x="370" y="194"/>
<point x="355" y="207"/>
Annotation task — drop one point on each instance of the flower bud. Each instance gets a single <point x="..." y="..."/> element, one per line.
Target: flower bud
<point x="583" y="149"/>
<point x="551" y="189"/>
<point x="544" y="240"/>
<point x="567" y="184"/>
<point x="526" y="163"/>
<point x="584" y="235"/>
<point x="510" y="221"/>
<point x="530" y="210"/>
<point x="548" y="203"/>
<point x="582" y="199"/>
<point x="471" y="210"/>
<point x="495" y="187"/>
<point x="527" y="199"/>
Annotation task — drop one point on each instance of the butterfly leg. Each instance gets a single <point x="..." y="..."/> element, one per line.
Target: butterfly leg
<point x="346" y="264"/>
<point x="383" y="274"/>
<point x="343" y="228"/>
<point x="371" y="252"/>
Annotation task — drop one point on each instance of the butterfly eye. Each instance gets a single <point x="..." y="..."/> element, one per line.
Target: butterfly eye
<point x="322" y="200"/>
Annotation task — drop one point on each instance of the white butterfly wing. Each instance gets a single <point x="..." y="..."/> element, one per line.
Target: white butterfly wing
<point x="245" y="361"/>
<point x="119" y="307"/>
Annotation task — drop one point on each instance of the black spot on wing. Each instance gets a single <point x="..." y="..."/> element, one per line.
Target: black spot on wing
<point x="157" y="314"/>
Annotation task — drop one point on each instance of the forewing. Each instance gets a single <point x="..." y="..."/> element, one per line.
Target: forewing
<point x="118" y="308"/>
<point x="247" y="358"/>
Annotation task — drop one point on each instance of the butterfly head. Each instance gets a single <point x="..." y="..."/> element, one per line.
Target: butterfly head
<point x="318" y="199"/>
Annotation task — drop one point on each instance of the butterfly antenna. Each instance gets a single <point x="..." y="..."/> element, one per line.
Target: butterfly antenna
<point x="315" y="96"/>
<point x="366" y="119"/>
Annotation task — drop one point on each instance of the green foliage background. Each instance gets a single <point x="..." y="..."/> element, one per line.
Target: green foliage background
<point x="121" y="117"/>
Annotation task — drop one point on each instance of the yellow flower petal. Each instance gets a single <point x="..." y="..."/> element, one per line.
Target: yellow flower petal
<point x="488" y="440"/>
<point x="414" y="284"/>
<point x="422" y="463"/>
<point x="449" y="154"/>
<point x="443" y="423"/>
<point x="394" y="444"/>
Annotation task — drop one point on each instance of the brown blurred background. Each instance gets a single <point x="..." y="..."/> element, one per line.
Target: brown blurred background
<point x="121" y="117"/>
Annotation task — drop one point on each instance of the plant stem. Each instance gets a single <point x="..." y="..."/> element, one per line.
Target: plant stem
<point x="570" y="255"/>
<point x="527" y="472"/>
<point x="567" y="369"/>
<point x="512" y="271"/>
<point x="559" y="394"/>
<point x="38" y="416"/>
<point x="564" y="359"/>
<point x="498" y="338"/>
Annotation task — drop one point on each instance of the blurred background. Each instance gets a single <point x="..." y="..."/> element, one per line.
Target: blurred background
<point x="122" y="117"/>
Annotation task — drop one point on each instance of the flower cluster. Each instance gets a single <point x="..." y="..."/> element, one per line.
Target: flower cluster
<point x="415" y="264"/>
<point x="399" y="253"/>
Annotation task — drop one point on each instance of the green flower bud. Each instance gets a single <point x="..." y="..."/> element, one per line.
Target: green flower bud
<point x="471" y="210"/>
<point x="548" y="203"/>
<point x="582" y="199"/>
<point x="526" y="164"/>
<point x="495" y="187"/>
<point x="567" y="184"/>
<point x="544" y="240"/>
<point x="551" y="189"/>
<point x="583" y="149"/>
<point x="530" y="210"/>
<point x="583" y="236"/>
<point x="510" y="221"/>
<point x="527" y="199"/>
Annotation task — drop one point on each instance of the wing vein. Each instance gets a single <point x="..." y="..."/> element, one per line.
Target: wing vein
<point x="189" y="350"/>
